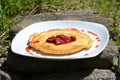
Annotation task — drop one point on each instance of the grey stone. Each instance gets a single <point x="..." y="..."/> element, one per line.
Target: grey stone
<point x="32" y="19"/>
<point x="110" y="51"/>
<point x="83" y="15"/>
<point x="101" y="74"/>
<point x="2" y="60"/>
<point x="37" y="65"/>
<point x="96" y="74"/>
<point x="41" y="65"/>
<point x="4" y="76"/>
<point x="31" y="65"/>
<point x="65" y="75"/>
<point x="28" y="65"/>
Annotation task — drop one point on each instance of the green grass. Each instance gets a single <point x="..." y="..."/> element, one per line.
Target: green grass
<point x="11" y="8"/>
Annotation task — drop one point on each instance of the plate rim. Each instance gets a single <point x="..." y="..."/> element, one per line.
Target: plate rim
<point x="106" y="30"/>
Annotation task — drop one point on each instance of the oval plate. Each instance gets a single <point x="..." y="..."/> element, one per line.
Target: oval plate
<point x="97" y="32"/>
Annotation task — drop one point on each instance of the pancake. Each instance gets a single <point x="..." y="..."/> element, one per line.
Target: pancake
<point x="72" y="42"/>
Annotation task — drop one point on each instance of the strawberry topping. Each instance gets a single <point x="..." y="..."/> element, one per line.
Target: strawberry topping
<point x="60" y="39"/>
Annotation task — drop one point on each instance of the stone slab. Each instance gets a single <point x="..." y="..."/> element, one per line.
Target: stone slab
<point x="35" y="65"/>
<point x="82" y="15"/>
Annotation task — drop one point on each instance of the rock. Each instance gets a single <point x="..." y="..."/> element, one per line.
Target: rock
<point x="4" y="76"/>
<point x="32" y="19"/>
<point x="66" y="75"/>
<point x="44" y="65"/>
<point x="35" y="65"/>
<point x="110" y="51"/>
<point x="63" y="69"/>
<point x="83" y="15"/>
<point x="102" y="74"/>
<point x="31" y="65"/>
<point x="96" y="74"/>
<point x="41" y="65"/>
<point x="2" y="60"/>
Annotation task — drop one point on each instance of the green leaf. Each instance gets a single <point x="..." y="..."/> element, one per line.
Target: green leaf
<point x="115" y="61"/>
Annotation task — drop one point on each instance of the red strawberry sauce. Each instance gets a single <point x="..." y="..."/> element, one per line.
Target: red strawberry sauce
<point x="61" y="39"/>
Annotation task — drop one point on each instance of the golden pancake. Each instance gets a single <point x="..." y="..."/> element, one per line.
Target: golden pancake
<point x="51" y="43"/>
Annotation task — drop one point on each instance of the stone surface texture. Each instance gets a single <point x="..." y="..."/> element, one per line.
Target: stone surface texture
<point x="98" y="74"/>
<point x="83" y="15"/>
<point x="19" y="67"/>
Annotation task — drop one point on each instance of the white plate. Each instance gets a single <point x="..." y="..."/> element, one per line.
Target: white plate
<point x="97" y="32"/>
